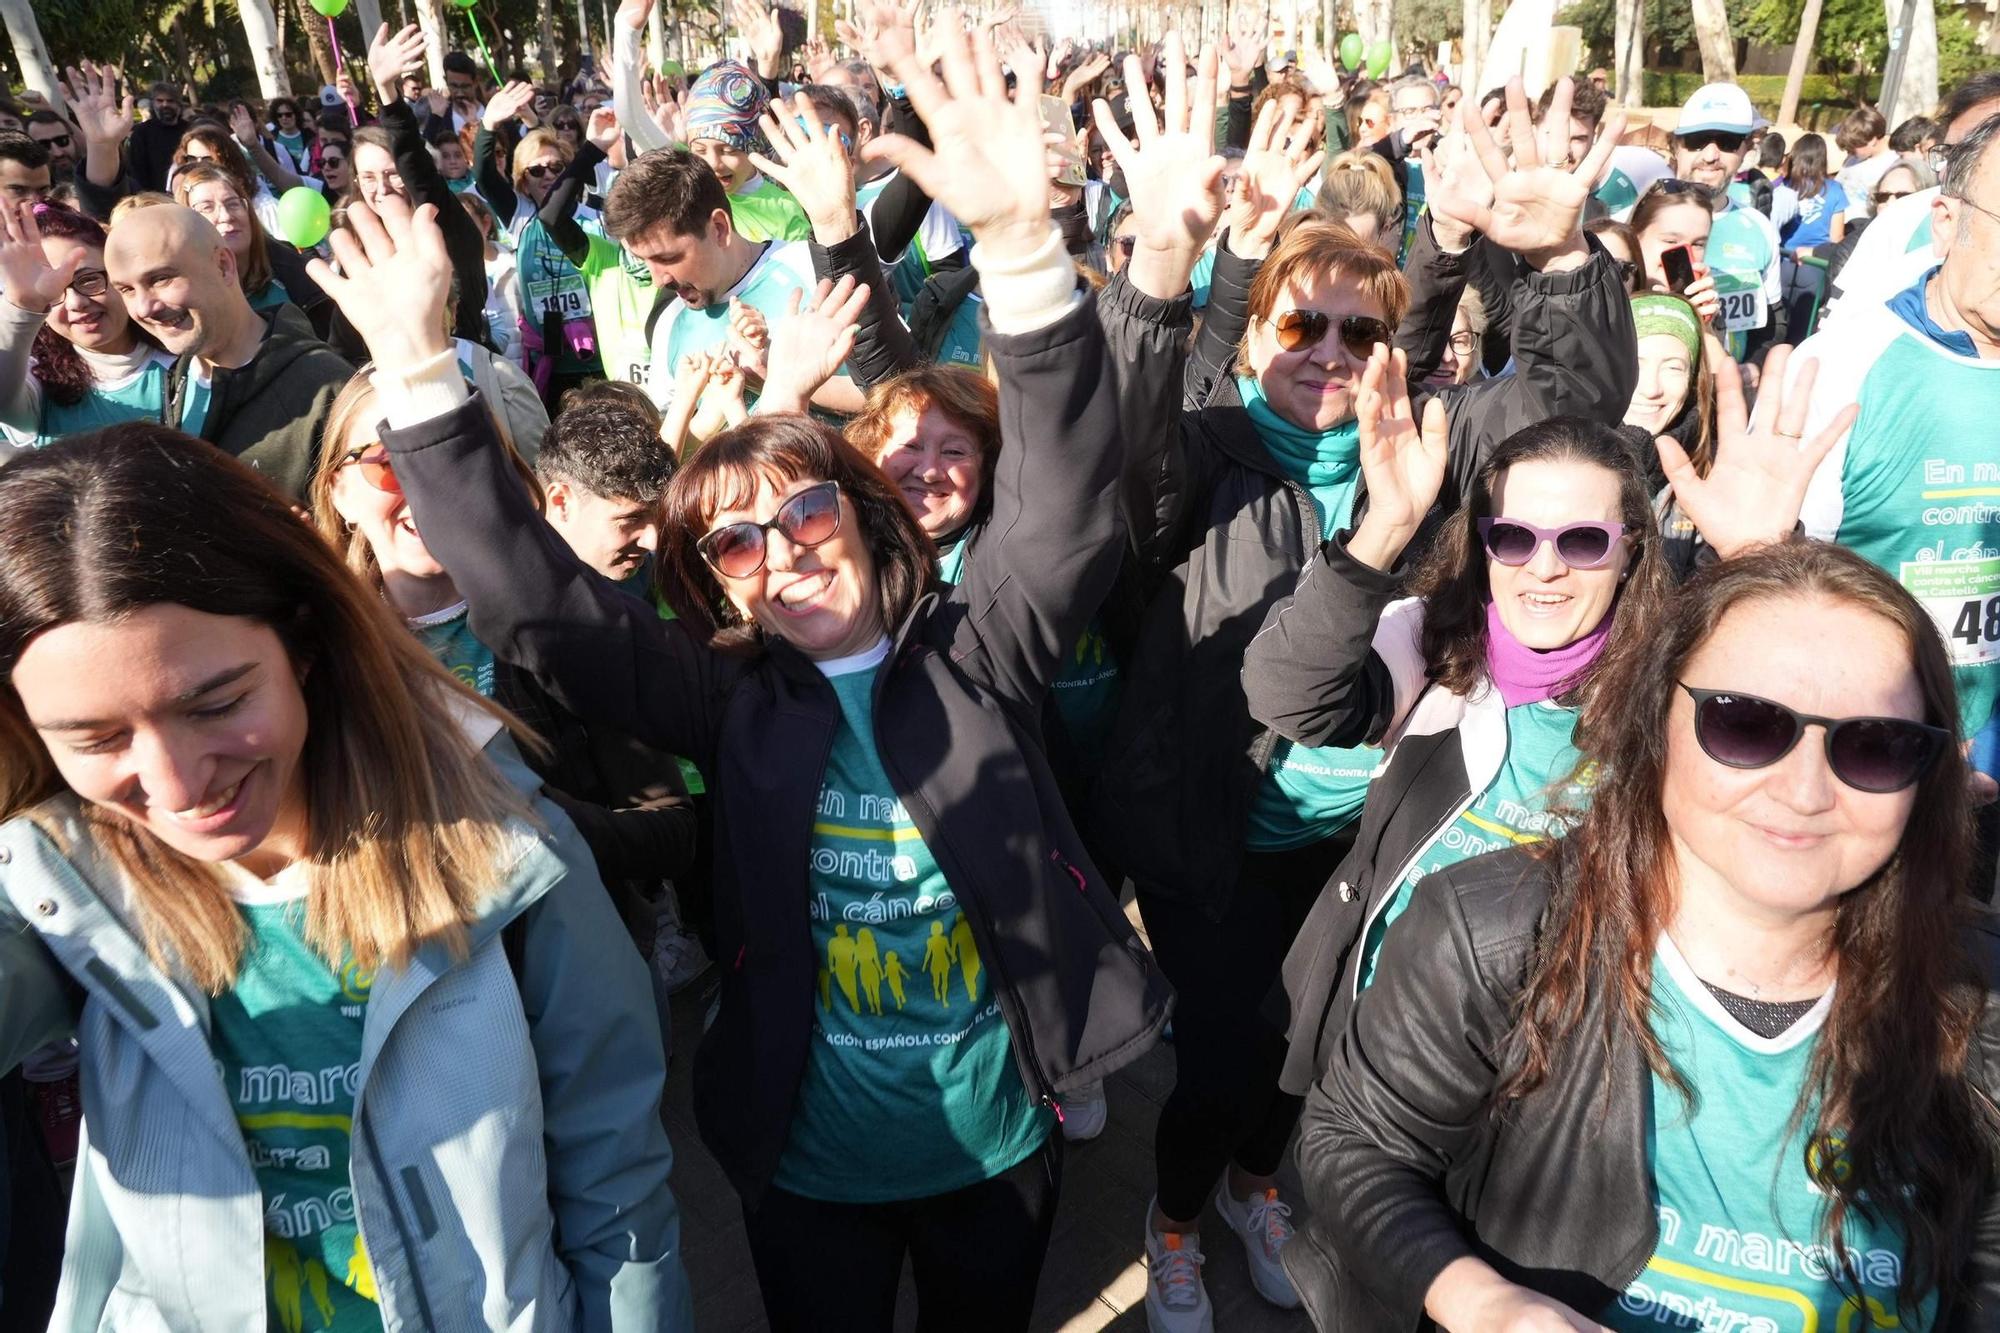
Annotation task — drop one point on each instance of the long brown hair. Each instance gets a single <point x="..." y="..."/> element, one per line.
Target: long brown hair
<point x="1901" y="1133"/>
<point x="253" y="271"/>
<point x="1452" y="578"/>
<point x="406" y="821"/>
<point x="782" y="448"/>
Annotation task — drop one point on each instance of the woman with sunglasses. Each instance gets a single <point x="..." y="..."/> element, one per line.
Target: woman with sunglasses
<point x="359" y="1033"/>
<point x="295" y="136"/>
<point x="336" y="178"/>
<point x="1676" y="215"/>
<point x="1228" y="829"/>
<point x="1722" y="1053"/>
<point x="918" y="959"/>
<point x="71" y="359"/>
<point x="559" y="335"/>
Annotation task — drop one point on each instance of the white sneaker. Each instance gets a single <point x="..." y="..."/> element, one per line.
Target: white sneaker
<point x="678" y="959"/>
<point x="1085" y="1112"/>
<point x="1265" y="1226"/>
<point x="1176" y="1301"/>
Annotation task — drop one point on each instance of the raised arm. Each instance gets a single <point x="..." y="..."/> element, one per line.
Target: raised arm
<point x="495" y="181"/>
<point x="558" y="211"/>
<point x="1320" y="672"/>
<point x="1051" y="547"/>
<point x="105" y="120"/>
<point x="603" y="653"/>
<point x="32" y="287"/>
<point x="627" y="31"/>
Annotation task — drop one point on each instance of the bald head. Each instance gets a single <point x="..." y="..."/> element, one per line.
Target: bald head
<point x="178" y="279"/>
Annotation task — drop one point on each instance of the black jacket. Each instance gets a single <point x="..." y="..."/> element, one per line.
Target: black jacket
<point x="270" y="412"/>
<point x="1224" y="535"/>
<point x="957" y="722"/>
<point x="1406" y="1170"/>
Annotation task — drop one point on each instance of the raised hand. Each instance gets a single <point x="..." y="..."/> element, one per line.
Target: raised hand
<point x="1062" y="51"/>
<point x="1756" y="484"/>
<point x="759" y="29"/>
<point x="808" y="160"/>
<point x="662" y="102"/>
<point x="391" y="56"/>
<point x="818" y="60"/>
<point x="1024" y="56"/>
<point x="30" y="282"/>
<point x="1276" y="165"/>
<point x="513" y="99"/>
<point x="603" y="133"/>
<point x="242" y="125"/>
<point x="393" y="281"/>
<point x="1249" y="33"/>
<point x="1457" y="190"/>
<point x="1402" y="464"/>
<point x="1173" y="173"/>
<point x="92" y="94"/>
<point x="633" y="14"/>
<point x="1701" y="294"/>
<point x="439" y="102"/>
<point x="886" y="33"/>
<point x="987" y="163"/>
<point x="1091" y="67"/>
<point x="809" y="344"/>
<point x="1537" y="209"/>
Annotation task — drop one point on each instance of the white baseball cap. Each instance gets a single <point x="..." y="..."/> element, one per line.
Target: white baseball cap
<point x="1717" y="106"/>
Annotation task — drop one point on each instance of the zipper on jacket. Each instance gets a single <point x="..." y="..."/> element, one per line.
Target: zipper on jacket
<point x="1267" y="744"/>
<point x="380" y="1167"/>
<point x="1437" y="830"/>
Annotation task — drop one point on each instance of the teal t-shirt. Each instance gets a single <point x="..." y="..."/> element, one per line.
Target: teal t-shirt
<point x="1743" y="258"/>
<point x="141" y="396"/>
<point x="767" y="288"/>
<point x="550" y="284"/>
<point x="269" y="297"/>
<point x="287" y="1043"/>
<point x="448" y="635"/>
<point x="1740" y="1243"/>
<point x="195" y="394"/>
<point x="1085" y="690"/>
<point x="910" y="1087"/>
<point x="1309" y="792"/>
<point x="964" y="344"/>
<point x="1513" y="809"/>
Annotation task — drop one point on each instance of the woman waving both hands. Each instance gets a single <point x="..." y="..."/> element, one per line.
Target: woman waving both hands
<point x="811" y="625"/>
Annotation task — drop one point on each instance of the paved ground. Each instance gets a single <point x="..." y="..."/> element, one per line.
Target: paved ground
<point x="1095" y="1276"/>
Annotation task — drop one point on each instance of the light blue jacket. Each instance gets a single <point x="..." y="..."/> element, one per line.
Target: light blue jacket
<point x="509" y="1165"/>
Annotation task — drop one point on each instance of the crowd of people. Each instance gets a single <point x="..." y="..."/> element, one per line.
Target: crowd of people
<point x="1512" y="595"/>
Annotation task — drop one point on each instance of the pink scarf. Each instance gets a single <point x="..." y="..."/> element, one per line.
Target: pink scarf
<point x="1525" y="675"/>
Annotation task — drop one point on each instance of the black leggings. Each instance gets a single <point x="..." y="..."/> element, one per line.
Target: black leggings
<point x="976" y="1253"/>
<point x="1228" y="1050"/>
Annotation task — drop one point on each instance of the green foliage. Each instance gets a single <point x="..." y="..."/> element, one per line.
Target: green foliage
<point x="1671" y="87"/>
<point x="1669" y="25"/>
<point x="1424" y="24"/>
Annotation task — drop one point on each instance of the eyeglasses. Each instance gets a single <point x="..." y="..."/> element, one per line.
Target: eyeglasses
<point x="1463" y="342"/>
<point x="92" y="282"/>
<point x="57" y="141"/>
<point x="1578" y="545"/>
<point x="540" y="170"/>
<point x="1723" y="139"/>
<point x="373" y="460"/>
<point x="1307" y="328"/>
<point x="1872" y="754"/>
<point x="1882" y="197"/>
<point x="738" y="550"/>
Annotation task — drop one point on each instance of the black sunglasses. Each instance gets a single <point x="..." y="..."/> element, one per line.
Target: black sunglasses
<point x="57" y="141"/>
<point x="1723" y="139"/>
<point x="540" y="170"/>
<point x="329" y="160"/>
<point x="1872" y="754"/>
<point x="1675" y="185"/>
<point x="1512" y="541"/>
<point x="1307" y="328"/>
<point x="1891" y="196"/>
<point x="737" y="550"/>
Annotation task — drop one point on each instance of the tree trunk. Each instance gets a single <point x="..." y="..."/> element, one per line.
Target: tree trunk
<point x="31" y="53"/>
<point x="316" y="42"/>
<point x="430" y="17"/>
<point x="1476" y="19"/>
<point x="1628" y="55"/>
<point x="545" y="34"/>
<point x="1917" y="91"/>
<point x="1718" y="48"/>
<point x="369" y="14"/>
<point x="260" y="25"/>
<point x="656" y="38"/>
<point x="1795" y="77"/>
<point x="1375" y="20"/>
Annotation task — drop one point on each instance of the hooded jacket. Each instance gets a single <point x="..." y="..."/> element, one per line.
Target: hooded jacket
<point x="270" y="412"/>
<point x="509" y="1167"/>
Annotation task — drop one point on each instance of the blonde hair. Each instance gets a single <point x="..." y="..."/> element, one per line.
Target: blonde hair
<point x="408" y="827"/>
<point x="533" y="144"/>
<point x="132" y="203"/>
<point x="1360" y="181"/>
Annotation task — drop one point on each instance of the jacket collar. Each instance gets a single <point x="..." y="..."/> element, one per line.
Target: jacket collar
<point x="1226" y="422"/>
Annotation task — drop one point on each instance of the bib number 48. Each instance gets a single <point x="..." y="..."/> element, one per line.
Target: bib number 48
<point x="1978" y="623"/>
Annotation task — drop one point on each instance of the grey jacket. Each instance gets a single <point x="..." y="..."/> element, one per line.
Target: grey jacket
<point x="509" y="1166"/>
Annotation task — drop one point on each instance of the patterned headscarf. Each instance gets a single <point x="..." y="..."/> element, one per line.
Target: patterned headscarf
<point x="725" y="104"/>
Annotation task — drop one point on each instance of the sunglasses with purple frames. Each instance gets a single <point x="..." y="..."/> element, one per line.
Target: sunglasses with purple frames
<point x="1578" y="545"/>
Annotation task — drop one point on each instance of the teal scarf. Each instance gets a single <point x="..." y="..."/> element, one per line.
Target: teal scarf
<point x="1313" y="458"/>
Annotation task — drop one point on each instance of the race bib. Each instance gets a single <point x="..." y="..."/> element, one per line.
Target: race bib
<point x="1963" y="598"/>
<point x="1744" y="307"/>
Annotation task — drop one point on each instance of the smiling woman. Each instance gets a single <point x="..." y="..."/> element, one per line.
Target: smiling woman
<point x="278" y="808"/>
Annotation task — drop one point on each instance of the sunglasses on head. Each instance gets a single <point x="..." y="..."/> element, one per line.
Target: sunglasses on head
<point x="1872" y="754"/>
<point x="373" y="461"/>
<point x="1307" y="328"/>
<point x="1578" y="545"/>
<point x="738" y="550"/>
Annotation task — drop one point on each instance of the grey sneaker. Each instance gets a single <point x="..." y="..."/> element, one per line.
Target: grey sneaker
<point x="1176" y="1301"/>
<point x="1265" y="1226"/>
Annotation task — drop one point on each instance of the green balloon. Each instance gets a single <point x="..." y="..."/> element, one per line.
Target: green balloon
<point x="330" y="8"/>
<point x="465" y="4"/>
<point x="303" y="216"/>
<point x="1379" y="55"/>
<point x="1350" y="51"/>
